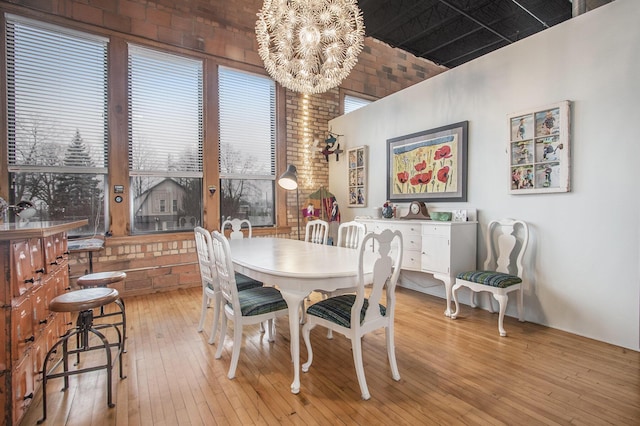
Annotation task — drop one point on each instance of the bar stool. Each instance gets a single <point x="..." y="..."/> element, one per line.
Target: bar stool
<point x="84" y="302"/>
<point x="105" y="279"/>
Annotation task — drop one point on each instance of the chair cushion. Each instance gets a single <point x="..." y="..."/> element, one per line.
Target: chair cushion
<point x="490" y="278"/>
<point x="243" y="282"/>
<point x="338" y="309"/>
<point x="260" y="300"/>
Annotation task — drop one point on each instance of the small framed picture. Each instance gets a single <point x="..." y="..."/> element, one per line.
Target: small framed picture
<point x="539" y="150"/>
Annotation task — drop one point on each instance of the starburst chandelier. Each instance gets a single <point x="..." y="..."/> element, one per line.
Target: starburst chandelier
<point x="309" y="46"/>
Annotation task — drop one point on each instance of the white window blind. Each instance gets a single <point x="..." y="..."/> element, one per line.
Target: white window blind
<point x="165" y="115"/>
<point x="247" y="125"/>
<point x="57" y="97"/>
<point x="352" y="103"/>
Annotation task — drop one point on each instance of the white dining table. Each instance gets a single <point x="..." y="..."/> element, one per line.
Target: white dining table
<point x="297" y="268"/>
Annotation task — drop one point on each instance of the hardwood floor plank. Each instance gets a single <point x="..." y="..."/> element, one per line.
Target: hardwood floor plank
<point x="452" y="372"/>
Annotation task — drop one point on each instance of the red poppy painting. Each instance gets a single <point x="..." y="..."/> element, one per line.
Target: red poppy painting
<point x="428" y="165"/>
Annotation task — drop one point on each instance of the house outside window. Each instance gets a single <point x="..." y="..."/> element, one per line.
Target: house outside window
<point x="247" y="120"/>
<point x="166" y="138"/>
<point x="57" y="121"/>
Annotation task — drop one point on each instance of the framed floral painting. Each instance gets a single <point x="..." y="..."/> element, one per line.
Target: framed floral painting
<point x="539" y="150"/>
<point x="429" y="165"/>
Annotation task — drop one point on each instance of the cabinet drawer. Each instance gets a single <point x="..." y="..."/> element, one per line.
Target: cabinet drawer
<point x="23" y="275"/>
<point x="22" y="386"/>
<point x="40" y="307"/>
<point x="412" y="242"/>
<point x="21" y="327"/>
<point x="439" y="230"/>
<point x="411" y="259"/>
<point x="38" y="352"/>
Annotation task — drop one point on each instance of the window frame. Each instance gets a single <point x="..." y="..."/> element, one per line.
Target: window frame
<point x="117" y="173"/>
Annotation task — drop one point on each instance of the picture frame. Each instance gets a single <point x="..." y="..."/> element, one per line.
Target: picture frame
<point x="357" y="176"/>
<point x="539" y="149"/>
<point x="428" y="166"/>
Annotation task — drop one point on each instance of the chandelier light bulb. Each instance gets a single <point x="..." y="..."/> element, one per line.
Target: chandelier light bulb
<point x="309" y="46"/>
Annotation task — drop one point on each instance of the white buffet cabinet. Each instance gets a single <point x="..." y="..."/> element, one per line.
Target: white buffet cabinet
<point x="442" y="249"/>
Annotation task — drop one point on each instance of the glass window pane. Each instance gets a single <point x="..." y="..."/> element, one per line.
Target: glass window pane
<point x="64" y="196"/>
<point x="166" y="138"/>
<point x="352" y="103"/>
<point x="247" y="199"/>
<point x="153" y="195"/>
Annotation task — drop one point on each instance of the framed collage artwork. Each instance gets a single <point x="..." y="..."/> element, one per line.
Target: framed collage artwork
<point x="539" y="150"/>
<point x="357" y="158"/>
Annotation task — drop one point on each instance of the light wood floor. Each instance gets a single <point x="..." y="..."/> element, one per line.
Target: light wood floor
<point x="453" y="372"/>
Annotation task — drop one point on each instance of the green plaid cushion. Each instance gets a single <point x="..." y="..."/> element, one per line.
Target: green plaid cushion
<point x="338" y="309"/>
<point x="490" y="278"/>
<point x="260" y="300"/>
<point x="243" y="282"/>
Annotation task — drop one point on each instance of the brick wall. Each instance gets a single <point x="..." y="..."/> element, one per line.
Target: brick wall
<point x="223" y="29"/>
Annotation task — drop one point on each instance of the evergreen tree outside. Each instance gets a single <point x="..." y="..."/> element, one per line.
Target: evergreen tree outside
<point x="77" y="195"/>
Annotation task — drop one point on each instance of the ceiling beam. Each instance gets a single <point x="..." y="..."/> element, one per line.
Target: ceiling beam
<point x="466" y="15"/>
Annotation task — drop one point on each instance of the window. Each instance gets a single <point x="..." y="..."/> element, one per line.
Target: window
<point x="57" y="121"/>
<point x="247" y="146"/>
<point x="352" y="103"/>
<point x="166" y="136"/>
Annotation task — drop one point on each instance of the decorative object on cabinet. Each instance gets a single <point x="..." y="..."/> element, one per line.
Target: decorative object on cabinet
<point x="459" y="215"/>
<point x="441" y="216"/>
<point x="429" y="165"/>
<point x="539" y="150"/>
<point x="357" y="169"/>
<point x="503" y="268"/>
<point x="417" y="210"/>
<point x="387" y="210"/>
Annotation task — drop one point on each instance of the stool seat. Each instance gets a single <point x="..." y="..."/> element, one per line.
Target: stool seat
<point x="101" y="279"/>
<point x="85" y="299"/>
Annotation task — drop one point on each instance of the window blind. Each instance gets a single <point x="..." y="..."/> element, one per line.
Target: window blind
<point x="165" y="114"/>
<point x="247" y="125"/>
<point x="352" y="103"/>
<point x="57" y="98"/>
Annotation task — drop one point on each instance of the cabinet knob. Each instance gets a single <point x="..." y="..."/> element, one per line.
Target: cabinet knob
<point x="30" y="396"/>
<point x="30" y="339"/>
<point x="30" y="280"/>
<point x="44" y="321"/>
<point x="40" y="271"/>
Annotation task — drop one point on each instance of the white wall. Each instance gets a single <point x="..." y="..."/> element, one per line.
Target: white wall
<point x="585" y="277"/>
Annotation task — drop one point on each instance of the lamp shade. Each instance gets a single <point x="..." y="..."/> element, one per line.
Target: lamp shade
<point x="289" y="179"/>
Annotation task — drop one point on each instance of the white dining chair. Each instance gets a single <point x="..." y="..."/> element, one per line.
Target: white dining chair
<point x="350" y="235"/>
<point x="236" y="226"/>
<point x="355" y="315"/>
<point x="503" y="269"/>
<point x="210" y="287"/>
<point x="317" y="231"/>
<point x="208" y="277"/>
<point x="252" y="306"/>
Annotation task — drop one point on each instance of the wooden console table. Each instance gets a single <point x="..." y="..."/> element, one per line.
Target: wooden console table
<point x="34" y="267"/>
<point x="442" y="249"/>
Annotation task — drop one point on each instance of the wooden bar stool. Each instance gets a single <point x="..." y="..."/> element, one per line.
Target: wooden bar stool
<point x="105" y="279"/>
<point x="84" y="302"/>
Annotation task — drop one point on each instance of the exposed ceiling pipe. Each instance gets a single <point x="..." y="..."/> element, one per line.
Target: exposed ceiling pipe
<point x="544" y="24"/>
<point x="578" y="7"/>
